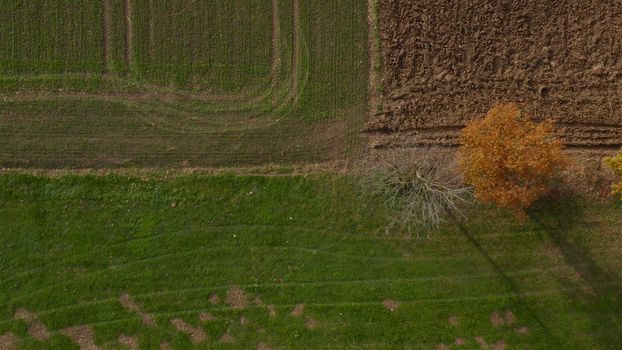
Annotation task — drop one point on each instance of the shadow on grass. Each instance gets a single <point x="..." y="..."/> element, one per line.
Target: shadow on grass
<point x="513" y="286"/>
<point x="596" y="293"/>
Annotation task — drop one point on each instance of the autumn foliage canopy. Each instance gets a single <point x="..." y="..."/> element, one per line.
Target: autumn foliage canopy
<point x="508" y="159"/>
<point x="615" y="163"/>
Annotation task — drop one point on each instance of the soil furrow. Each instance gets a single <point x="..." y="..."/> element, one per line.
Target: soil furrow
<point x="106" y="35"/>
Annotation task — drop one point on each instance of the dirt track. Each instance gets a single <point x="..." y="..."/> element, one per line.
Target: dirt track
<point x="446" y="61"/>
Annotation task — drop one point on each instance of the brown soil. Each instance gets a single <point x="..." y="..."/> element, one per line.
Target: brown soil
<point x="446" y="62"/>
<point x="482" y="343"/>
<point x="453" y="320"/>
<point x="36" y="328"/>
<point x="214" y="299"/>
<point x="165" y="345"/>
<point x="271" y="311"/>
<point x="83" y="336"/>
<point x="500" y="345"/>
<point x="496" y="319"/>
<point x="442" y="346"/>
<point x="129" y="342"/>
<point x="391" y="304"/>
<point x="129" y="303"/>
<point x="236" y="298"/>
<point x="197" y="335"/>
<point x="206" y="317"/>
<point x="8" y="341"/>
<point x="522" y="330"/>
<point x="227" y="338"/>
<point x="459" y="341"/>
<point x="297" y="310"/>
<point x="243" y="320"/>
<point x="311" y="323"/>
<point x="258" y="301"/>
<point x="508" y="317"/>
<point x="263" y="346"/>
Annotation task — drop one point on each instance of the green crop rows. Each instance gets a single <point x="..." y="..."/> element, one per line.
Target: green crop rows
<point x="181" y="83"/>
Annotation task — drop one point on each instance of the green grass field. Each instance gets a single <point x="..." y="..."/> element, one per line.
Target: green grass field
<point x="71" y="246"/>
<point x="181" y="83"/>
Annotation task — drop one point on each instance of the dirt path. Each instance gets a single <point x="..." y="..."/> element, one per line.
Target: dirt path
<point x="129" y="33"/>
<point x="276" y="49"/>
<point x="297" y="36"/>
<point x="106" y="31"/>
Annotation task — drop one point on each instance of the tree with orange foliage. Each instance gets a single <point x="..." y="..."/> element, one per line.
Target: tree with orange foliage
<point x="615" y="163"/>
<point x="508" y="159"/>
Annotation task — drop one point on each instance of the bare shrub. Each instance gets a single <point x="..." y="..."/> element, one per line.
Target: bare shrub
<point x="418" y="188"/>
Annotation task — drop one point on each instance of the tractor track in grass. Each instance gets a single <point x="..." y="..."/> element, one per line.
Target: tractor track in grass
<point x="492" y="296"/>
<point x="382" y="281"/>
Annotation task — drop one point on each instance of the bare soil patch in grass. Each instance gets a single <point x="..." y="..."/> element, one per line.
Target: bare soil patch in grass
<point x="453" y="320"/>
<point x="227" y="338"/>
<point x="271" y="311"/>
<point x="129" y="303"/>
<point x="263" y="346"/>
<point x="391" y="304"/>
<point x="36" y="328"/>
<point x="197" y="335"/>
<point x="522" y="330"/>
<point x="311" y="323"/>
<point x="297" y="310"/>
<point x="508" y="317"/>
<point x="214" y="298"/>
<point x="459" y="341"/>
<point x="500" y="345"/>
<point x="236" y="298"/>
<point x="482" y="343"/>
<point x="206" y="317"/>
<point x="496" y="319"/>
<point x="83" y="336"/>
<point x="129" y="342"/>
<point x="8" y="341"/>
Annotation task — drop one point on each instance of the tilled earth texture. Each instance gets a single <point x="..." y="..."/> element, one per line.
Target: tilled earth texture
<point x="445" y="62"/>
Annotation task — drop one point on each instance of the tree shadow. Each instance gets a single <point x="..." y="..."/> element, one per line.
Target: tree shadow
<point x="595" y="290"/>
<point x="513" y="286"/>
